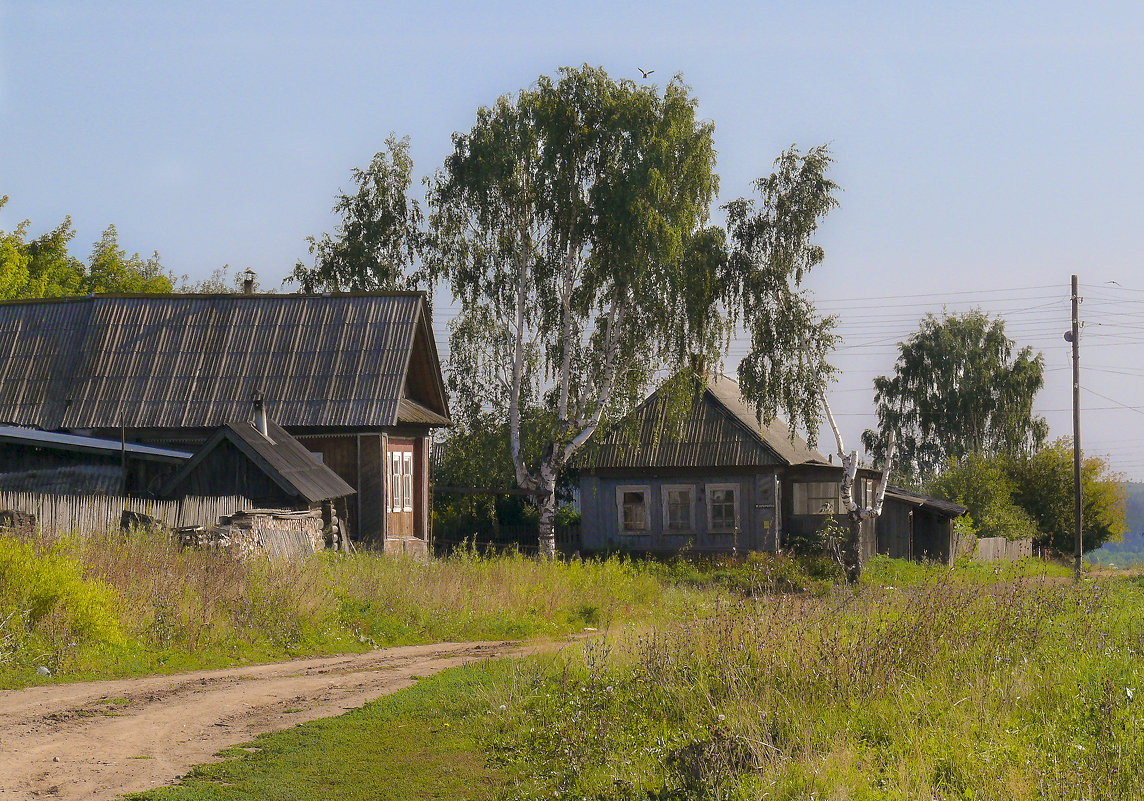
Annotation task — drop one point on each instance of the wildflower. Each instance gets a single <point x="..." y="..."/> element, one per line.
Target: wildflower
<point x="722" y="718"/>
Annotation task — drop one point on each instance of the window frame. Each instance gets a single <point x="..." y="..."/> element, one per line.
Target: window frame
<point x="395" y="483"/>
<point x="709" y="492"/>
<point x="806" y="511"/>
<point x="407" y="480"/>
<point x="646" y="490"/>
<point x="665" y="493"/>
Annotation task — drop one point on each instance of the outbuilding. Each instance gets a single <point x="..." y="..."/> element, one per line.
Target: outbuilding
<point x="355" y="378"/>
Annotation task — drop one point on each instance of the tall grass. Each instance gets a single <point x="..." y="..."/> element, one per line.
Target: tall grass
<point x="169" y="608"/>
<point x="949" y="689"/>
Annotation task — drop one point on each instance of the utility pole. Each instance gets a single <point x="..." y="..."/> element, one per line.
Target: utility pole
<point x="1074" y="337"/>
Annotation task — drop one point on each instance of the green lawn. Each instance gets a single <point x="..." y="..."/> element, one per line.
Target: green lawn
<point x="421" y="743"/>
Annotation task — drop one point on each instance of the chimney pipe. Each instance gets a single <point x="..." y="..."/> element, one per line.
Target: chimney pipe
<point x="248" y="281"/>
<point x="260" y="414"/>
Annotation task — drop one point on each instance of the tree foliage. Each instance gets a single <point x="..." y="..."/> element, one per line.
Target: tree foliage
<point x="571" y="223"/>
<point x="959" y="387"/>
<point x="1045" y="490"/>
<point x="986" y="485"/>
<point x="379" y="239"/>
<point x="43" y="267"/>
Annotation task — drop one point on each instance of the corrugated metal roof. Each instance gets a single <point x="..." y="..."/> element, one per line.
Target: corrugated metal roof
<point x="720" y="430"/>
<point x="777" y="435"/>
<point x="284" y="459"/>
<point x="940" y="505"/>
<point x="173" y="361"/>
<point x="413" y="412"/>
<point x="80" y="444"/>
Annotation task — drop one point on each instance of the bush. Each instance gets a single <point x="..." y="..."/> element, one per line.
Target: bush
<point x="47" y="607"/>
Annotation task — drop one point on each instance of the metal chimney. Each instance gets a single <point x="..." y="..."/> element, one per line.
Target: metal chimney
<point x="260" y="414"/>
<point x="248" y="277"/>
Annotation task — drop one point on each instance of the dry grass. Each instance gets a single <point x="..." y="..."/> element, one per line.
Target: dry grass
<point x="184" y="608"/>
<point x="951" y="689"/>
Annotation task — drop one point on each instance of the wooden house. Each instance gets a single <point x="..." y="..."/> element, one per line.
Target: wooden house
<point x="718" y="482"/>
<point x="354" y="377"/>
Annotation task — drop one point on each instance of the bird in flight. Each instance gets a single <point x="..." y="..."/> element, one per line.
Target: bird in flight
<point x="645" y="72"/>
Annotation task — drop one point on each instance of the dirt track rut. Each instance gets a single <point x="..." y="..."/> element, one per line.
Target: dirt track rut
<point x="127" y="735"/>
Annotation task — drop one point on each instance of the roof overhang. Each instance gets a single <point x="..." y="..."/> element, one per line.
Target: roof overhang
<point x="78" y="443"/>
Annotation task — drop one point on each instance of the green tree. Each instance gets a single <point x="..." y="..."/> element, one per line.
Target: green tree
<point x="380" y="237"/>
<point x="111" y="270"/>
<point x="43" y="267"/>
<point x="564" y="221"/>
<point x="958" y="388"/>
<point x="1044" y="482"/>
<point x="986" y="485"/>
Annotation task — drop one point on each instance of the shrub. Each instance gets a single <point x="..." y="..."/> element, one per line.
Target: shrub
<point x="46" y="602"/>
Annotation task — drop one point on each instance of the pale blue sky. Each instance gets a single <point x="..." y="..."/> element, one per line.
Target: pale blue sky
<point x="981" y="146"/>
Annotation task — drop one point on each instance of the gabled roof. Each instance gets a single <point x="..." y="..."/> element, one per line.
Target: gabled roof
<point x="285" y="460"/>
<point x="776" y="435"/>
<point x="720" y="430"/>
<point x="916" y="499"/>
<point x="193" y="361"/>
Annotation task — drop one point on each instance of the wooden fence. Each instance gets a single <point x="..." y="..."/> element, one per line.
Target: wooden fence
<point x="91" y="514"/>
<point x="999" y="549"/>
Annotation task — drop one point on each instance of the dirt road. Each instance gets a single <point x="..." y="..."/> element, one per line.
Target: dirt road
<point x="99" y="740"/>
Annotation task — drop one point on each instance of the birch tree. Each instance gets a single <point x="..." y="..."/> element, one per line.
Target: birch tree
<point x="856" y="514"/>
<point x="559" y="221"/>
<point x="572" y="225"/>
<point x="960" y="386"/>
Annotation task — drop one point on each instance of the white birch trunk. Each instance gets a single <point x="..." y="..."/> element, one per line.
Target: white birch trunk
<point x="856" y="514"/>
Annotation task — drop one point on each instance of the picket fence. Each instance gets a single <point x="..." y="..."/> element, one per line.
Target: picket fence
<point x="93" y="514"/>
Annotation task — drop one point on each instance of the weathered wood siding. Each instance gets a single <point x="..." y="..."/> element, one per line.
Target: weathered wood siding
<point x="95" y="514"/>
<point x="894" y="529"/>
<point x="340" y="454"/>
<point x="757" y="512"/>
<point x="371" y="490"/>
<point x="227" y="470"/>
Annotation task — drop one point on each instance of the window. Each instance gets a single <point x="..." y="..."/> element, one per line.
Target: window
<point x="395" y="481"/>
<point x="408" y="481"/>
<point x="722" y="507"/>
<point x="632" y="503"/>
<point x="818" y="497"/>
<point x="678" y="508"/>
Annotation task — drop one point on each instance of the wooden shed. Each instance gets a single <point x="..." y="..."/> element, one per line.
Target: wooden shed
<point x="918" y="527"/>
<point x="354" y="377"/>
<point x="272" y="469"/>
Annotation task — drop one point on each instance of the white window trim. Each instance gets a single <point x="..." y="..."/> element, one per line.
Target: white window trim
<point x="665" y="491"/>
<point x="709" y="490"/>
<point x="646" y="490"/>
<point x="407" y="480"/>
<point x="395" y="481"/>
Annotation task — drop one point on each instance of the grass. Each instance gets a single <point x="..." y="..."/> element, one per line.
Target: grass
<point x="924" y="682"/>
<point x="126" y="605"/>
<point x="422" y="743"/>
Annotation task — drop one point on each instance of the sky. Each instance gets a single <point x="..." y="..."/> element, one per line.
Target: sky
<point x="986" y="151"/>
